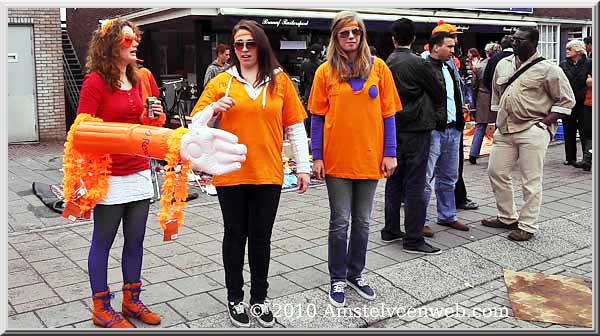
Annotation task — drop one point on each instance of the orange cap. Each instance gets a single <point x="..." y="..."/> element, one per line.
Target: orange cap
<point x="445" y="27"/>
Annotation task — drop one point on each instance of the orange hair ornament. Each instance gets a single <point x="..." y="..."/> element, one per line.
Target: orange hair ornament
<point x="105" y="25"/>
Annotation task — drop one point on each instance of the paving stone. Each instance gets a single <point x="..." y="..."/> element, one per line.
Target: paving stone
<point x="29" y="293"/>
<point x="307" y="277"/>
<point x="276" y="268"/>
<point x="448" y="239"/>
<point x="416" y="278"/>
<point x="280" y="286"/>
<point x="394" y="251"/>
<point x="278" y="235"/>
<point x="304" y="303"/>
<point x="298" y="260"/>
<point x="75" y="292"/>
<point x="163" y="273"/>
<point x="12" y="254"/>
<point x="466" y="265"/>
<point x="24" y="321"/>
<point x="505" y="253"/>
<point x="293" y="244"/>
<point x="320" y="251"/>
<point x="376" y="261"/>
<point x="193" y="307"/>
<point x="18" y="265"/>
<point x="168" y="317"/>
<point x="474" y="233"/>
<point x="54" y="265"/>
<point x="68" y="241"/>
<point x="25" y="277"/>
<point x="220" y="321"/>
<point x="196" y="284"/>
<point x="41" y="255"/>
<point x="288" y="225"/>
<point x="187" y="260"/>
<point x="208" y="248"/>
<point x="390" y="301"/>
<point x="61" y="315"/>
<point x="169" y="249"/>
<point x="309" y="233"/>
<point x="566" y="230"/>
<point x="500" y="324"/>
<point x="66" y="277"/>
<point x="203" y="269"/>
<point x="446" y="322"/>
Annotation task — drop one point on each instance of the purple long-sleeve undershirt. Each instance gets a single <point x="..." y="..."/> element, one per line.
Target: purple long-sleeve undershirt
<point x="316" y="131"/>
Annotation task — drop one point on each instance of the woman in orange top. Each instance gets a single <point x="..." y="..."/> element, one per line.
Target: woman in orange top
<point x="255" y="100"/>
<point x="353" y="102"/>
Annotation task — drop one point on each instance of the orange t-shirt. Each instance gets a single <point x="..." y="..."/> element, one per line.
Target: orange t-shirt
<point x="353" y="129"/>
<point x="260" y="129"/>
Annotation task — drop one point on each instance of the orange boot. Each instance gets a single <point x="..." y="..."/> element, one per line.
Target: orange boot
<point x="103" y="314"/>
<point x="133" y="307"/>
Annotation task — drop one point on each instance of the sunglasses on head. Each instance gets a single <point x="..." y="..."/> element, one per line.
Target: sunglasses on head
<point x="127" y="40"/>
<point x="346" y="33"/>
<point x="239" y="45"/>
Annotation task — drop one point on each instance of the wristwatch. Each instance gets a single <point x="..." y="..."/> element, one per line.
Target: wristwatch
<point x="541" y="125"/>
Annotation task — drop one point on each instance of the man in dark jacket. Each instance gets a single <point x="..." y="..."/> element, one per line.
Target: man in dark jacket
<point x="445" y="139"/>
<point x="507" y="50"/>
<point x="576" y="68"/>
<point x="422" y="96"/>
<point x="307" y="74"/>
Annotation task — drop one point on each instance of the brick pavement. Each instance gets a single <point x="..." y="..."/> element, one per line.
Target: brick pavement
<point x="184" y="280"/>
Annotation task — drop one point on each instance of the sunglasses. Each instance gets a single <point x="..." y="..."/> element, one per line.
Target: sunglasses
<point x="127" y="40"/>
<point x="346" y="33"/>
<point x="240" y="45"/>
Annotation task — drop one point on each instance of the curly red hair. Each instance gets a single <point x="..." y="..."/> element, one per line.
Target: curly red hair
<point x="104" y="50"/>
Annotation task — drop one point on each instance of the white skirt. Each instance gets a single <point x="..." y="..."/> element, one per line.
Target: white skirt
<point x="129" y="188"/>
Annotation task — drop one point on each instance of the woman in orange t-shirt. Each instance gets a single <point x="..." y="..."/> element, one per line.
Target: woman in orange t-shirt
<point x="255" y="100"/>
<point x="353" y="102"/>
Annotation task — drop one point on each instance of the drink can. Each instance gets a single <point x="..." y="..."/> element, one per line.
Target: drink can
<point x="149" y="102"/>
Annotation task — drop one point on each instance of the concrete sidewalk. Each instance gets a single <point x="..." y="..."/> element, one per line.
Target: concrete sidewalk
<point x="184" y="279"/>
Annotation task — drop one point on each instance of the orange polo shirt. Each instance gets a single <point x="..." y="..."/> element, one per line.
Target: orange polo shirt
<point x="260" y="129"/>
<point x="353" y="129"/>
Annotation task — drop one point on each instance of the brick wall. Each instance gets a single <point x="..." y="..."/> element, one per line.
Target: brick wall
<point x="48" y="68"/>
<point x="81" y="22"/>
<point x="564" y="13"/>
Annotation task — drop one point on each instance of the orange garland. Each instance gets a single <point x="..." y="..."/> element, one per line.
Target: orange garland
<point x="174" y="188"/>
<point x="91" y="169"/>
<point x="94" y="170"/>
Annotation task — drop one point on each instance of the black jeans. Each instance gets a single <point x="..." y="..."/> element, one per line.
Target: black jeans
<point x="572" y="124"/>
<point x="460" y="190"/>
<point x="248" y="213"/>
<point x="407" y="185"/>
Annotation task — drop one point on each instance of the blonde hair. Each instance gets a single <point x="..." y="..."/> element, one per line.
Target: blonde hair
<point x="492" y="48"/>
<point x="577" y="45"/>
<point x="338" y="58"/>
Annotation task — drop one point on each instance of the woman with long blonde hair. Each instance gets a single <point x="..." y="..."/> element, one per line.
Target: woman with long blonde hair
<point x="353" y="102"/>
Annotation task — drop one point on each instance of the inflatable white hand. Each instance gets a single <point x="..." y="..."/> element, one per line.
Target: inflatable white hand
<point x="211" y="150"/>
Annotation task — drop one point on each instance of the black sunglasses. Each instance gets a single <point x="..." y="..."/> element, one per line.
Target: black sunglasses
<point x="239" y="45"/>
<point x="346" y="33"/>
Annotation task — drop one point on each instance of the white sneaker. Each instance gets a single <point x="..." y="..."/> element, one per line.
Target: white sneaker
<point x="211" y="190"/>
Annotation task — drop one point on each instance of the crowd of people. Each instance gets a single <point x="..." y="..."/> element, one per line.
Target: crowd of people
<point x="405" y="115"/>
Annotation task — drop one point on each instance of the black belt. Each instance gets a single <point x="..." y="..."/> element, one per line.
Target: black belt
<point x="451" y="125"/>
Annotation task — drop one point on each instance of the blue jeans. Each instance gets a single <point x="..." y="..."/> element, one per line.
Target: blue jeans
<point x="348" y="198"/>
<point x="477" y="139"/>
<point x="443" y="166"/>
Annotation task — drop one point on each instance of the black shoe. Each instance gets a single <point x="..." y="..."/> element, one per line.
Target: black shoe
<point x="424" y="248"/>
<point x="388" y="237"/>
<point x="468" y="205"/>
<point x="238" y="315"/>
<point x="263" y="314"/>
<point x="579" y="164"/>
<point x="473" y="160"/>
<point x="569" y="162"/>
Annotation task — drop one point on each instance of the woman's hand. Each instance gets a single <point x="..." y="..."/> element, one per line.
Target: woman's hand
<point x="319" y="169"/>
<point x="157" y="109"/>
<point x="303" y="182"/>
<point x="222" y="105"/>
<point x="388" y="165"/>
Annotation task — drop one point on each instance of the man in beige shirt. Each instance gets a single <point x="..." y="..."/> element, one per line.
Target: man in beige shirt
<point x="527" y="112"/>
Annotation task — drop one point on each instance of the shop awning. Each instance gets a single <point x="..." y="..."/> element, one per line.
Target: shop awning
<point x="366" y="16"/>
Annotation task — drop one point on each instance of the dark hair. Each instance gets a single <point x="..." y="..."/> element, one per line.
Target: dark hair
<point x="505" y="42"/>
<point x="438" y="39"/>
<point x="314" y="51"/>
<point x="532" y="34"/>
<point x="474" y="52"/>
<point x="267" y="62"/>
<point x="587" y="40"/>
<point x="221" y="48"/>
<point x="404" y="31"/>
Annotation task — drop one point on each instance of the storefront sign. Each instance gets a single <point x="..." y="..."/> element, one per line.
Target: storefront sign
<point x="298" y="23"/>
<point x="509" y="29"/>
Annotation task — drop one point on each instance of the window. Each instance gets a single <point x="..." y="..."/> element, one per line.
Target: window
<point x="586" y="31"/>
<point x="549" y="39"/>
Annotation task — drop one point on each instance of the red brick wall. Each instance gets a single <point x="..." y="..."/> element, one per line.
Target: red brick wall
<point x="81" y="22"/>
<point x="48" y="67"/>
<point x="564" y="13"/>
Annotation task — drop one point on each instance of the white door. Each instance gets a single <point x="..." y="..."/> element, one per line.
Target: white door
<point x="22" y="114"/>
